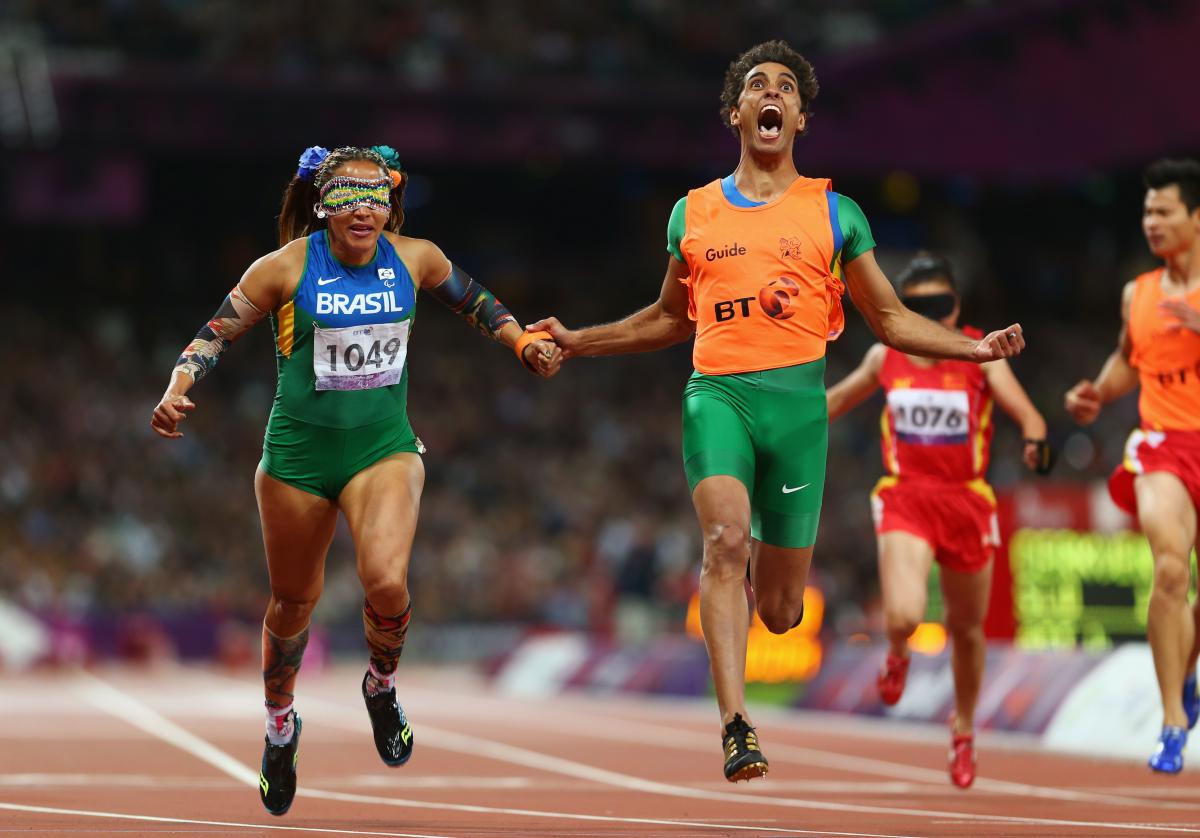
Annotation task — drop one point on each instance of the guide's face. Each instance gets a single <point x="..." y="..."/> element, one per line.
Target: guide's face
<point x="1168" y="226"/>
<point x="769" y="112"/>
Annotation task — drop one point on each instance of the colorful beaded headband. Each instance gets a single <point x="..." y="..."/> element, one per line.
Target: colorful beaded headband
<point x="344" y="194"/>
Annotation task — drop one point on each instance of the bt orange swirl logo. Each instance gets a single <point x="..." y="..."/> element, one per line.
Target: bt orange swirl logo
<point x="776" y="298"/>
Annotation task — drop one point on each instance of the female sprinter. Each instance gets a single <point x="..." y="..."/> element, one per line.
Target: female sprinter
<point x="934" y="502"/>
<point x="341" y="293"/>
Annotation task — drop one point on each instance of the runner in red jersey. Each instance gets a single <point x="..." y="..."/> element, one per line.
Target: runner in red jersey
<point x="1159" y="480"/>
<point x="934" y="502"/>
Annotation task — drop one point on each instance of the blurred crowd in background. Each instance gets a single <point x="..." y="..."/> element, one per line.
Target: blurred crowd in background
<point x="430" y="42"/>
<point x="559" y="503"/>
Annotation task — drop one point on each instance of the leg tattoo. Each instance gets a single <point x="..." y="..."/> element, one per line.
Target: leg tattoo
<point x="385" y="637"/>
<point x="281" y="664"/>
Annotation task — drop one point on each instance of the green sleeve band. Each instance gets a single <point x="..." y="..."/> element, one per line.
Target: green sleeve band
<point x="676" y="228"/>
<point x="856" y="232"/>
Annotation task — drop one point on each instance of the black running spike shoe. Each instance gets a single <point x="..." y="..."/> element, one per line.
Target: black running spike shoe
<point x="277" y="777"/>
<point x="743" y="759"/>
<point x="393" y="733"/>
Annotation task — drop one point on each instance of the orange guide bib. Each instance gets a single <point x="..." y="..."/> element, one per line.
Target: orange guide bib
<point x="1167" y="359"/>
<point x="760" y="288"/>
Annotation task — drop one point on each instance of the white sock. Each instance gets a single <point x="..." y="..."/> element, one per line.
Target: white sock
<point x="378" y="682"/>
<point x="281" y="725"/>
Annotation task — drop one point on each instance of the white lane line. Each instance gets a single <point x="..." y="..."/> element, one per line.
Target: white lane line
<point x="474" y="746"/>
<point x="463" y="744"/>
<point x="112" y="781"/>
<point x="534" y="813"/>
<point x="428" y="782"/>
<point x="87" y="813"/>
<point x="666" y="735"/>
<point x="859" y="728"/>
<point x="859" y="764"/>
<point x="128" y="708"/>
<point x="865" y="787"/>
<point x="35" y="780"/>
<point x="1166" y="790"/>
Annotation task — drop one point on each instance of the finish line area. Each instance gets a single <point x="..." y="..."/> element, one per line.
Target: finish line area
<point x="175" y="750"/>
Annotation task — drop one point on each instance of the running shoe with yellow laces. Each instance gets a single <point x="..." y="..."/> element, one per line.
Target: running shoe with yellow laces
<point x="743" y="758"/>
<point x="393" y="734"/>
<point x="277" y="777"/>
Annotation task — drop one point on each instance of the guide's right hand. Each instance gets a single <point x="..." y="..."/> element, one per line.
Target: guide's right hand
<point x="172" y="409"/>
<point x="563" y="336"/>
<point x="1002" y="343"/>
<point x="1083" y="402"/>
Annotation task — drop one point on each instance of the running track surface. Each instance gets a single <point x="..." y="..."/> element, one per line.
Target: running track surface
<point x="175" y="751"/>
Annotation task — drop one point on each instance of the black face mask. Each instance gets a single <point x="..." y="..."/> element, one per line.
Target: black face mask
<point x="933" y="306"/>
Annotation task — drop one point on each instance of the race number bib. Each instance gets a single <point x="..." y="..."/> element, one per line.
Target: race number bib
<point x="360" y="357"/>
<point x="930" y="417"/>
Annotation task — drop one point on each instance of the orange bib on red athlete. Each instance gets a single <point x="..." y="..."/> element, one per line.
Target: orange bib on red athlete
<point x="1167" y="358"/>
<point x="760" y="288"/>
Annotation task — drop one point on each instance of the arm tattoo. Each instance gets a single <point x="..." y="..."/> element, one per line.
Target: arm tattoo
<point x="233" y="318"/>
<point x="281" y="663"/>
<point x="472" y="301"/>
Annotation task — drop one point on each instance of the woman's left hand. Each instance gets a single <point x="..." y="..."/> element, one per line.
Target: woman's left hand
<point x="544" y="357"/>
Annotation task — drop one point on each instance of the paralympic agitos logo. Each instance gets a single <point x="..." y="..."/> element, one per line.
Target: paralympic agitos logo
<point x="774" y="298"/>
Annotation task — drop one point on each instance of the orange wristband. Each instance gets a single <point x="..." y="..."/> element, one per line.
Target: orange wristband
<point x="524" y="340"/>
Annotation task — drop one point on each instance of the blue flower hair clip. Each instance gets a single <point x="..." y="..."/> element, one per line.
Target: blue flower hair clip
<point x="310" y="160"/>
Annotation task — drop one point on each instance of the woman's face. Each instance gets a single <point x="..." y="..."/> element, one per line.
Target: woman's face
<point x="357" y="201"/>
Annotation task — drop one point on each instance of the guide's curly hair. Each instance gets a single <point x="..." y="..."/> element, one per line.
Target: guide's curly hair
<point x="779" y="52"/>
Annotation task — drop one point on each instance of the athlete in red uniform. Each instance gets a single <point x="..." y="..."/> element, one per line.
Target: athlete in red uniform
<point x="934" y="502"/>
<point x="1159" y="480"/>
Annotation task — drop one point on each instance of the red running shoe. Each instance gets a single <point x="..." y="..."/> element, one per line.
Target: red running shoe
<point x="892" y="678"/>
<point x="962" y="759"/>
